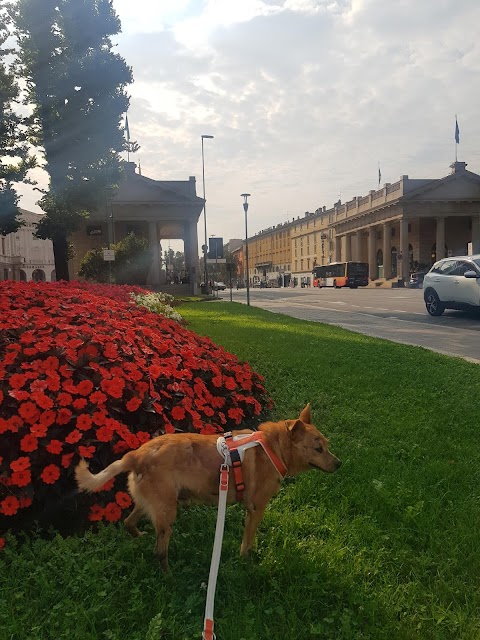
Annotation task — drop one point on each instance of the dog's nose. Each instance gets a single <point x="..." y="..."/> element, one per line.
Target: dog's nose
<point x="338" y="464"/>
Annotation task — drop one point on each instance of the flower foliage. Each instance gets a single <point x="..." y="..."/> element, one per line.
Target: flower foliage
<point x="86" y="375"/>
<point x="157" y="303"/>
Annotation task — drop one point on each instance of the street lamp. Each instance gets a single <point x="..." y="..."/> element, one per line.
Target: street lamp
<point x="245" y="208"/>
<point x="205" y="246"/>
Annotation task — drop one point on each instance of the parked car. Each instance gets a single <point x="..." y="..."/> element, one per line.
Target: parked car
<point x="453" y="283"/>
<point x="416" y="279"/>
<point x="219" y="286"/>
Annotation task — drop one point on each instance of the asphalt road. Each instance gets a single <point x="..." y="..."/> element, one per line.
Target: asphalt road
<point x="393" y="314"/>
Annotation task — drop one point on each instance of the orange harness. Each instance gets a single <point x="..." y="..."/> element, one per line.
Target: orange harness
<point x="236" y="443"/>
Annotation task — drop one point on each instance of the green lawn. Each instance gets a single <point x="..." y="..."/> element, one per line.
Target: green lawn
<point x="388" y="548"/>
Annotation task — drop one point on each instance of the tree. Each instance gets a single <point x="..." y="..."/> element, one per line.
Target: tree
<point x="133" y="258"/>
<point x="15" y="160"/>
<point x="76" y="84"/>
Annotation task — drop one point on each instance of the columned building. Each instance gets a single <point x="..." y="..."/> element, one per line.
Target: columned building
<point x="410" y="224"/>
<point x="157" y="210"/>
<point x="25" y="257"/>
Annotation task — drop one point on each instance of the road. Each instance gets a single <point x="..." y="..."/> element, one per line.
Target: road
<point x="393" y="314"/>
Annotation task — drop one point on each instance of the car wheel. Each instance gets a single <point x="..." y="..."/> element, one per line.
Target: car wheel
<point x="433" y="304"/>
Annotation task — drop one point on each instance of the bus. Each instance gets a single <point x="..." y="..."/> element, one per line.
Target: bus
<point x="341" y="274"/>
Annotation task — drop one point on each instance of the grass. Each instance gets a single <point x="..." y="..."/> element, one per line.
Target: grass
<point x="387" y="548"/>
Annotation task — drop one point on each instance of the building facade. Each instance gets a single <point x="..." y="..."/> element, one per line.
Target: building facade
<point x="402" y="227"/>
<point x="24" y="257"/>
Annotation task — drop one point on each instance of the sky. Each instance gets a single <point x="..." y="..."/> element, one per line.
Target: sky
<point x="303" y="97"/>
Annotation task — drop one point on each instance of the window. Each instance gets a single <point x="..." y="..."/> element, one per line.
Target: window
<point x="445" y="267"/>
<point x="462" y="268"/>
<point x="301" y="265"/>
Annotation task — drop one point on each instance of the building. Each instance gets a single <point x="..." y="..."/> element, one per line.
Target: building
<point x="154" y="209"/>
<point x="401" y="227"/>
<point x="24" y="257"/>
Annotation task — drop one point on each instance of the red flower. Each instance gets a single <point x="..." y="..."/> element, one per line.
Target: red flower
<point x="97" y="397"/>
<point x="133" y="404"/>
<point x="178" y="413"/>
<point x="79" y="404"/>
<point x="104" y="434"/>
<point x="113" y="387"/>
<point x="24" y="502"/>
<point x="9" y="506"/>
<point x="123" y="499"/>
<point x="17" y="381"/>
<point x="28" y="411"/>
<point x="84" y="422"/>
<point x="20" y="464"/>
<point x="86" y="452"/>
<point x="154" y="371"/>
<point x="55" y="447"/>
<point x="64" y="399"/>
<point x="96" y="513"/>
<point x="1" y="400"/>
<point x="67" y="460"/>
<point x="120" y="447"/>
<point x="64" y="416"/>
<point x="106" y="487"/>
<point x="47" y="418"/>
<point x="38" y="430"/>
<point x="21" y="478"/>
<point x="112" y="512"/>
<point x="50" y="474"/>
<point x="84" y="387"/>
<point x="2" y="543"/>
<point x="230" y="383"/>
<point x="73" y="437"/>
<point x="28" y="443"/>
<point x="43" y="401"/>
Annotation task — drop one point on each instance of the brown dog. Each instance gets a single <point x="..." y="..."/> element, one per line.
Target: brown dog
<point x="184" y="467"/>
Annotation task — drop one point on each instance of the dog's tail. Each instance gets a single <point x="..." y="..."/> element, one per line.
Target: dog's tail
<point x="88" y="481"/>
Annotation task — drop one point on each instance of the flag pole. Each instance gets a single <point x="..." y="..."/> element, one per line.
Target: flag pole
<point x="457" y="136"/>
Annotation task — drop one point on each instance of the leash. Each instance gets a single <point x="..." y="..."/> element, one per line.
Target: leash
<point x="232" y="449"/>
<point x="217" y="548"/>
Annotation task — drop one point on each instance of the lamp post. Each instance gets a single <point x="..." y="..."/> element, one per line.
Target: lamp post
<point x="245" y="208"/>
<point x="205" y="246"/>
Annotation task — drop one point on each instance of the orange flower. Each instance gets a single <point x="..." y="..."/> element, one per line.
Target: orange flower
<point x="112" y="512"/>
<point x="50" y="474"/>
<point x="96" y="513"/>
<point x="123" y="499"/>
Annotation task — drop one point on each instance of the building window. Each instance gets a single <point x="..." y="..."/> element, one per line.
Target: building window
<point x="296" y="265"/>
<point x="308" y="264"/>
<point x="301" y="265"/>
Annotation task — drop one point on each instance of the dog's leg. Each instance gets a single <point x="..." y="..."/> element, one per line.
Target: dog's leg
<point x="132" y="520"/>
<point x="163" y="522"/>
<point x="254" y="516"/>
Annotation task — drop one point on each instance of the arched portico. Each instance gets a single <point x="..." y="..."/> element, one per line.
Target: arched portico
<point x="155" y="209"/>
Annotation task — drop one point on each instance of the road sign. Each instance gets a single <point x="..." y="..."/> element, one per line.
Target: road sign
<point x="216" y="260"/>
<point x="216" y="248"/>
<point x="108" y="255"/>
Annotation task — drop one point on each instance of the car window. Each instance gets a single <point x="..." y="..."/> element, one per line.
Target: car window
<point x="462" y="267"/>
<point x="445" y="268"/>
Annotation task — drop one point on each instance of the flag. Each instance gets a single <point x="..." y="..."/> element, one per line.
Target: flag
<point x="127" y="128"/>
<point x="457" y="131"/>
<point x="379" y="176"/>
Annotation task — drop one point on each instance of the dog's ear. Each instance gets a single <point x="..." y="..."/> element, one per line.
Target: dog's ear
<point x="306" y="415"/>
<point x="296" y="429"/>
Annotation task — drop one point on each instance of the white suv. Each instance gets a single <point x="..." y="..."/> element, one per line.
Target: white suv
<point x="453" y="283"/>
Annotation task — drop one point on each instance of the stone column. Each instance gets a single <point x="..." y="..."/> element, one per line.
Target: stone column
<point x="476" y="234"/>
<point x="358" y="246"/>
<point x="387" y="251"/>
<point x="338" y="249"/>
<point x="440" y="241"/>
<point x="404" y="267"/>
<point x="372" y="258"/>
<point x="153" y="277"/>
<point x="348" y="247"/>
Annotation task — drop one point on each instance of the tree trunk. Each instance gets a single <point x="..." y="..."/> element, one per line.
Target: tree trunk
<point x="60" y="254"/>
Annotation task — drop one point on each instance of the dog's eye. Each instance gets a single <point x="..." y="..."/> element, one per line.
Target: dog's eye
<point x="319" y="449"/>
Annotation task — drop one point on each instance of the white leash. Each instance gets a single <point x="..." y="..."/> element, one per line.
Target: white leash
<point x="217" y="547"/>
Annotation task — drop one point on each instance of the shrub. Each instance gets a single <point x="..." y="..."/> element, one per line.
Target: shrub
<point x="85" y="376"/>
<point x="132" y="262"/>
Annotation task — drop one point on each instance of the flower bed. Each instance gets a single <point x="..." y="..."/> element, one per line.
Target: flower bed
<point x="86" y="376"/>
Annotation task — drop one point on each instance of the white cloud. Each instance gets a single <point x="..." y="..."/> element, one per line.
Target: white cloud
<point x="304" y="97"/>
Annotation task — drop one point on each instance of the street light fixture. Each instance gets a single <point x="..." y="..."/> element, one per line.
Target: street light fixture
<point x="245" y="208"/>
<point x="205" y="246"/>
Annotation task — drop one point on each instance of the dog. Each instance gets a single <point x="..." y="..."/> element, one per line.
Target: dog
<point x="184" y="468"/>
